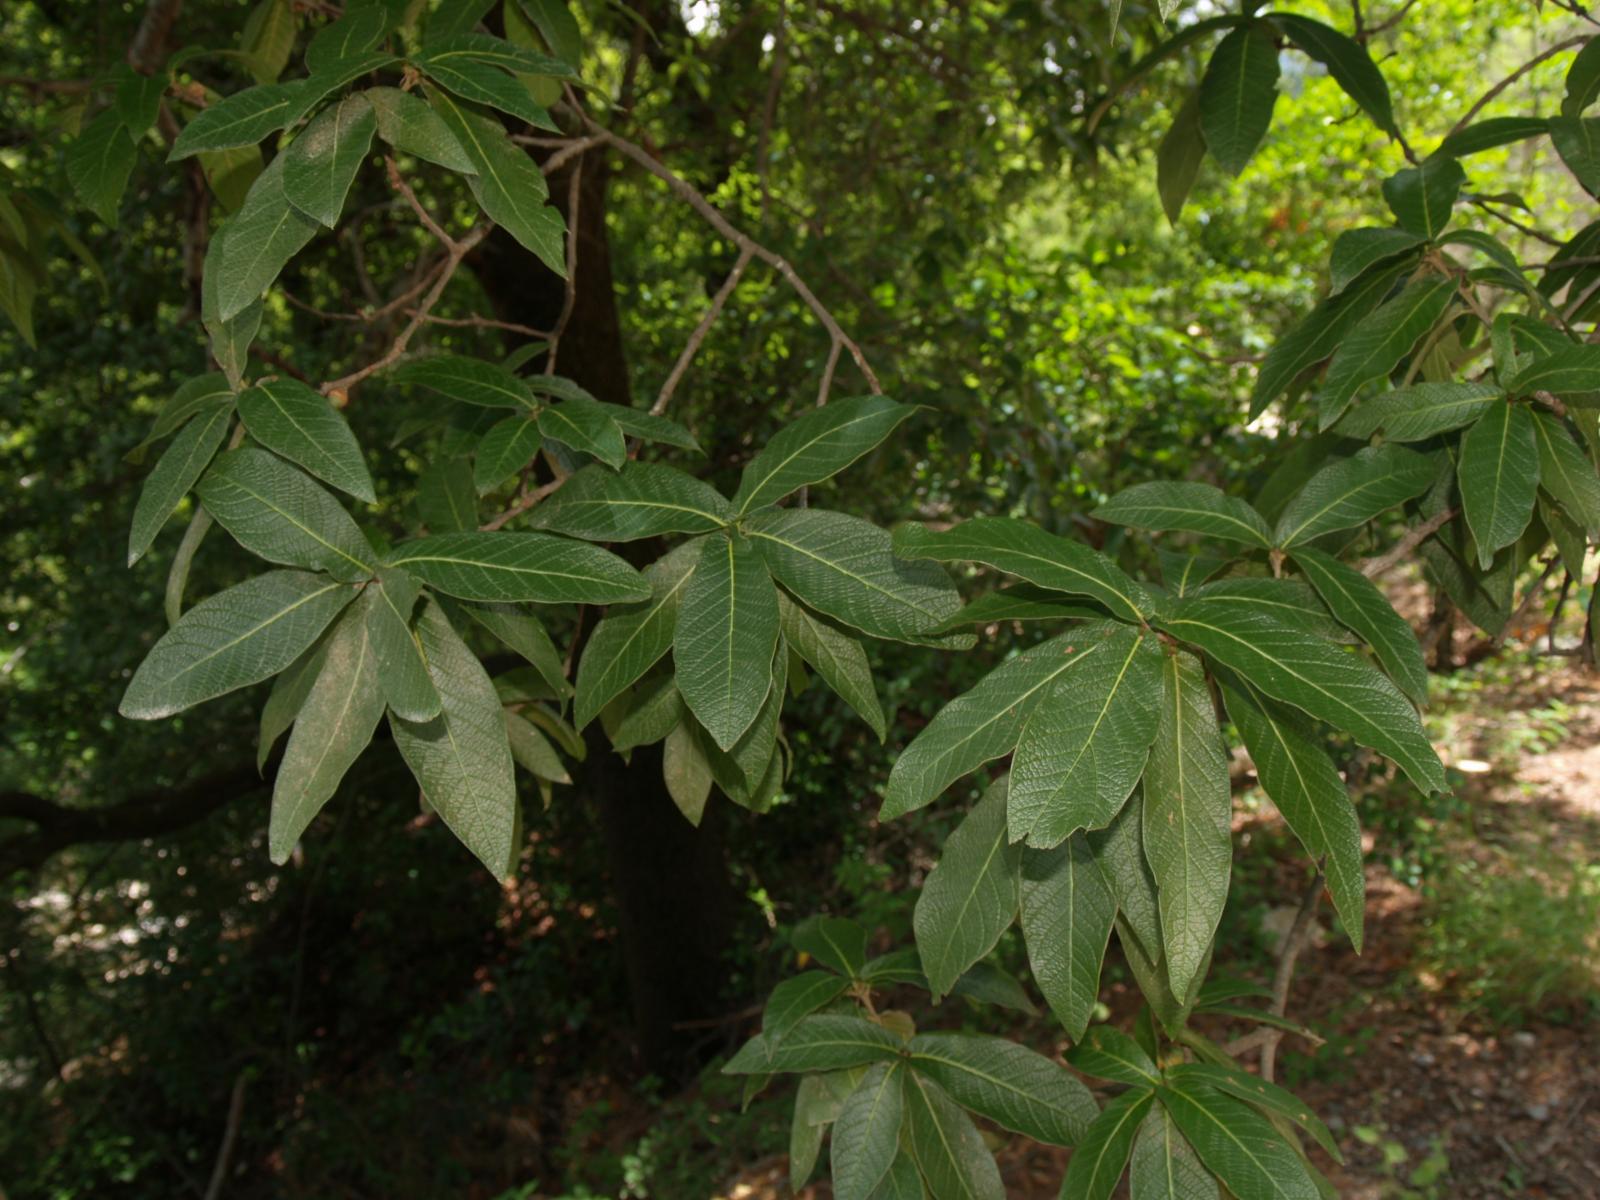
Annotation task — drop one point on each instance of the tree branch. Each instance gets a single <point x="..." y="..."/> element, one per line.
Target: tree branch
<point x="1414" y="537"/>
<point x="1488" y="97"/>
<point x="700" y="331"/>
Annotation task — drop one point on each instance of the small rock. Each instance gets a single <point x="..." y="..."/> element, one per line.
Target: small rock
<point x="1524" y="1039"/>
<point x="1539" y="1112"/>
<point x="1422" y="1058"/>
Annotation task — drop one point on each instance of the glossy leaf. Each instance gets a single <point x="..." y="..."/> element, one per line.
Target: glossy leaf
<point x="723" y="641"/>
<point x="631" y="639"/>
<point x="291" y="419"/>
<point x="1498" y="474"/>
<point x="642" y="500"/>
<point x="1355" y="250"/>
<point x="513" y="567"/>
<point x="1577" y="140"/>
<point x="322" y="162"/>
<point x="1007" y="1083"/>
<point x="1583" y="80"/>
<point x="798" y="997"/>
<point x="816" y="447"/>
<point x="1347" y="61"/>
<point x="183" y="462"/>
<point x="1237" y="95"/>
<point x="1490" y="134"/>
<point x="1098" y="1162"/>
<point x="1351" y="491"/>
<point x="1423" y="196"/>
<point x="1067" y="913"/>
<point x="402" y="670"/>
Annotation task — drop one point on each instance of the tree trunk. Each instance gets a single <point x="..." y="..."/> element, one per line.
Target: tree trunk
<point x="675" y="900"/>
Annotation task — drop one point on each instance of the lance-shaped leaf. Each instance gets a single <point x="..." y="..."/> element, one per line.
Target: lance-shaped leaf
<point x="814" y="1109"/>
<point x="278" y="513"/>
<point x="1419" y="412"/>
<point x="1021" y="549"/>
<point x="866" y="1137"/>
<point x="722" y="643"/>
<point x="351" y="36"/>
<point x="1184" y="573"/>
<point x="1566" y="472"/>
<point x="193" y="397"/>
<point x="1237" y="95"/>
<point x="1021" y="602"/>
<point x="411" y="127"/>
<point x="1322" y="331"/>
<point x="1237" y="1144"/>
<point x="827" y="1042"/>
<point x="402" y="670"/>
<point x="1108" y="1053"/>
<point x="586" y="427"/>
<point x="838" y="942"/>
<point x="247" y="253"/>
<point x="1577" y="140"/>
<point x="947" y="1146"/>
<point x="1564" y="370"/>
<point x="1084" y="745"/>
<point x="1098" y="1162"/>
<point x="1187" y="814"/>
<point x="1164" y="1165"/>
<point x="503" y="451"/>
<point x="99" y="161"/>
<point x="293" y="420"/>
<point x="1356" y="601"/>
<point x="1259" y="1092"/>
<point x="512" y="567"/>
<point x="647" y="426"/>
<point x="1498" y="474"/>
<point x="642" y="500"/>
<point x="1351" y="491"/>
<point x="1489" y="134"/>
<point x="334" y="725"/>
<point x="447" y="499"/>
<point x="1357" y="249"/>
<point x="654" y="710"/>
<point x="1379" y="341"/>
<point x="1583" y="80"/>
<point x="1192" y="507"/>
<point x="1347" y="61"/>
<point x="462" y="758"/>
<point x="816" y="447"/>
<point x="468" y="380"/>
<point x="175" y="473"/>
<point x="323" y="160"/>
<point x="240" y="636"/>
<point x="630" y="640"/>
<point x="799" y="997"/>
<point x="532" y="751"/>
<point x="241" y="119"/>
<point x="838" y="658"/>
<point x="970" y="898"/>
<point x="1010" y="1085"/>
<point x="506" y="182"/>
<point x="984" y="723"/>
<point x="463" y="46"/>
<point x="903" y="1182"/>
<point x="1299" y="777"/>
<point x="1331" y="684"/>
<point x="1571" y="540"/>
<point x="289" y="692"/>
<point x="1067" y="913"/>
<point x="1178" y="159"/>
<point x="744" y="771"/>
<point x="138" y="99"/>
<point x="846" y="568"/>
<point x="523" y="632"/>
<point x="483" y="84"/>
<point x="1119" y="853"/>
<point x="686" y="770"/>
<point x="1292" y="601"/>
<point x="1423" y="196"/>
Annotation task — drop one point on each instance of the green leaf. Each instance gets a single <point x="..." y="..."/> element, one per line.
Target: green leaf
<point x="722" y="644"/>
<point x="278" y="513"/>
<point x="1099" y="1160"/>
<point x="138" y="99"/>
<point x="359" y="30"/>
<point x="1292" y="601"/>
<point x="686" y="771"/>
<point x="1192" y="507"/>
<point x="1184" y="573"/>
<point x="750" y="771"/>
<point x="1347" y="61"/>
<point x="1020" y="602"/>
<point x="175" y="473"/>
<point x="99" y="161"/>
<point x="289" y="691"/>
<point x="1571" y="542"/>
<point x="1322" y="332"/>
<point x="1010" y="1085"/>
<point x="1583" y="80"/>
<point x="468" y="380"/>
<point x="445" y="21"/>
<point x="816" y="447"/>
<point x="866" y="1137"/>
<point x="1566" y="472"/>
<point x="291" y="419"/>
<point x="642" y="500"/>
<point x="970" y="898"/>
<point x="1423" y="196"/>
<point x="1331" y="684"/>
<point x="1300" y="778"/>
<point x="1577" y="140"/>
<point x="1258" y="1092"/>
<point x="411" y="127"/>
<point x="1108" y="1053"/>
<point x="1419" y="412"/>
<point x="447" y="498"/>
<point x="240" y="636"/>
<point x="1119" y="853"/>
<point x="1178" y="159"/>
<point x="585" y="426"/>
<point x="1237" y="95"/>
<point x="509" y="446"/>
<point x="1351" y="491"/>
<point x="463" y="46"/>
<point x="522" y="632"/>
<point x="1084" y="745"/>
<point x="836" y="942"/>
<point x="845" y="568"/>
<point x="631" y="639"/>
<point x="556" y="26"/>
<point x="977" y="727"/>
<point x="481" y="83"/>
<point x="818" y="1043"/>
<point x="1067" y="913"/>
<point x="1499" y="477"/>
<point x="402" y="670"/>
<point x="838" y="658"/>
<point x="1489" y="135"/>
<point x="1188" y="809"/>
<point x="903" y="1182"/>
<point x="322" y="162"/>
<point x="193" y="397"/>
<point x="230" y="340"/>
<point x="462" y="757"/>
<point x="949" y="1150"/>
<point x="648" y="427"/>
<point x="512" y="567"/>
<point x="1151" y="977"/>
<point x="814" y="1110"/>
<point x="1165" y="1166"/>
<point x="654" y="710"/>
<point x="334" y="725"/>
<point x="986" y="983"/>
<point x="268" y="39"/>
<point x="1570" y="371"/>
<point x="1356" y="601"/>
<point x="1238" y="1145"/>
<point x="507" y="183"/>
<point x="251" y="248"/>
<point x="1378" y="342"/>
<point x="798" y="997"/>
<point x="241" y="119"/>
<point x="1355" y="250"/>
<point x="532" y="751"/>
<point x="1023" y="550"/>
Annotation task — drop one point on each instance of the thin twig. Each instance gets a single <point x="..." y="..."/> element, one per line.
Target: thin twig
<point x="526" y="501"/>
<point x="826" y="385"/>
<point x="569" y="297"/>
<point x="1489" y="96"/>
<point x="1526" y="230"/>
<point x="230" y="1135"/>
<point x="699" y="335"/>
<point x="1414" y="537"/>
<point x="397" y="181"/>
<point x="1283" y="977"/>
<point x="477" y="322"/>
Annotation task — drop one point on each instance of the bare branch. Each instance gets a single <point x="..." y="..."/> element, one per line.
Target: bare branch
<point x="1283" y="977"/>
<point x="1488" y="97"/>
<point x="1414" y="537"/>
<point x="700" y="331"/>
<point x="569" y="297"/>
